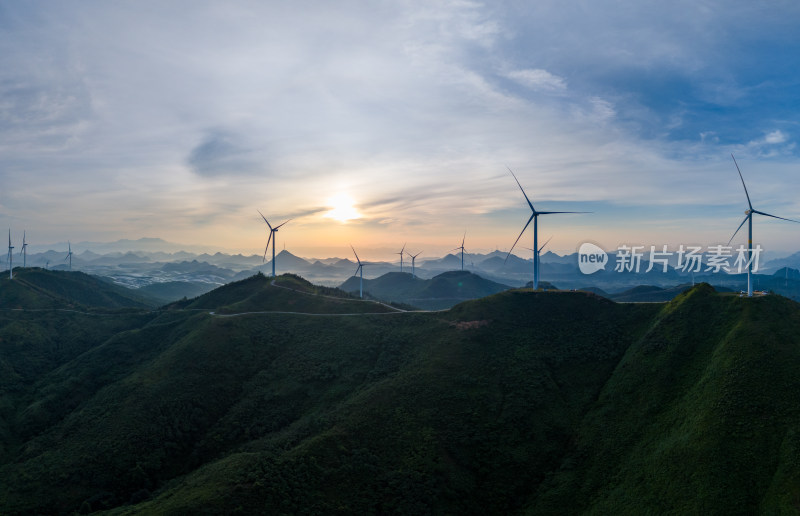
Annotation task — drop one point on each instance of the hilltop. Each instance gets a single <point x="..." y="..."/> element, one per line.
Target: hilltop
<point x="441" y="291"/>
<point x="287" y="293"/>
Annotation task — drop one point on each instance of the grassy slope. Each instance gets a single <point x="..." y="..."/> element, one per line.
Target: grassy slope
<point x="36" y="288"/>
<point x="546" y="402"/>
<point x="463" y="414"/>
<point x="366" y="413"/>
<point x="701" y="415"/>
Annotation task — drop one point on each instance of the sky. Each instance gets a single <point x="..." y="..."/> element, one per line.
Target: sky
<point x="378" y="123"/>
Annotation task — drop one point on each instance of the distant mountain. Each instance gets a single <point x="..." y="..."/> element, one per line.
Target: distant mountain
<point x="124" y="245"/>
<point x="449" y="261"/>
<point x="792" y="261"/>
<point x="286" y="261"/>
<point x="500" y="265"/>
<point x="197" y="268"/>
<point x="551" y="257"/>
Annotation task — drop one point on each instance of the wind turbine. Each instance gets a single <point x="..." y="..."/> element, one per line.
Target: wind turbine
<point x="462" y="250"/>
<point x="10" y="257"/>
<point x="401" y="257"/>
<point x="69" y="255"/>
<point x="748" y="217"/>
<point x="535" y="218"/>
<point x="537" y="253"/>
<point x="413" y="259"/>
<point x="272" y="232"/>
<point x="24" y="251"/>
<point x="360" y="269"/>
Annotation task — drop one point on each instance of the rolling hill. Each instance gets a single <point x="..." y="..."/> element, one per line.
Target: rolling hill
<point x="34" y="287"/>
<point x="517" y="403"/>
<point x="439" y="292"/>
<point x="287" y="293"/>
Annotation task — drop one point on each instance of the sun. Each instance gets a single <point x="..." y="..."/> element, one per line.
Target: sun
<point x="342" y="208"/>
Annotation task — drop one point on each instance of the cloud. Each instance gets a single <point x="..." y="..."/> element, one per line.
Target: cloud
<point x="538" y="79"/>
<point x="407" y="107"/>
<point x="222" y="153"/>
<point x="775" y="137"/>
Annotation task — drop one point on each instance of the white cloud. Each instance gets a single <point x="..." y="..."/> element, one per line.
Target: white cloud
<point x="775" y="137"/>
<point x="538" y="79"/>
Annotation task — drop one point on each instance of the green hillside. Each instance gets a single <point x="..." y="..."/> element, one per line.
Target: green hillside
<point x="521" y="402"/>
<point x="286" y="293"/>
<point x="36" y="288"/>
<point x="439" y="292"/>
<point x="701" y="415"/>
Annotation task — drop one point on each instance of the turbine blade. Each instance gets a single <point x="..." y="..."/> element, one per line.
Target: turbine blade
<point x="463" y="239"/>
<point x="523" y="191"/>
<point x="520" y="236"/>
<point x="276" y="227"/>
<point x="267" y="248"/>
<point x="548" y="240"/>
<point x="740" y="227"/>
<point x="355" y="253"/>
<point x="403" y="249"/>
<point x="742" y="178"/>
<point x="552" y="212"/>
<point x="775" y="216"/>
<point x="265" y="220"/>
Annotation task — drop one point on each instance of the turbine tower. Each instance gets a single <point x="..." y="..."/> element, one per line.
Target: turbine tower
<point x="359" y="269"/>
<point x="10" y="257"/>
<point x="69" y="254"/>
<point x="272" y="237"/>
<point x="401" y="257"/>
<point x="462" y="249"/>
<point x="748" y="217"/>
<point x="537" y="253"/>
<point x="535" y="218"/>
<point x="24" y="251"/>
<point x="413" y="259"/>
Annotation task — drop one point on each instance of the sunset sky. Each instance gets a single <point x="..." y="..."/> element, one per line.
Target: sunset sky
<point x="377" y="123"/>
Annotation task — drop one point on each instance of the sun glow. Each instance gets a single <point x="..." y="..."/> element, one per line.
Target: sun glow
<point x="342" y="208"/>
